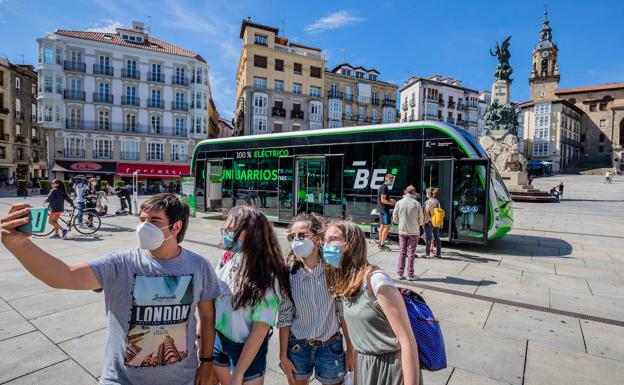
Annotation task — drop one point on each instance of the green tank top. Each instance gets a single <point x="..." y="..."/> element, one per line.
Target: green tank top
<point x="369" y="329"/>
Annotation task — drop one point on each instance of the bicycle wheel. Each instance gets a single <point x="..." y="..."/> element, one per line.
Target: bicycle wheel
<point x="91" y="216"/>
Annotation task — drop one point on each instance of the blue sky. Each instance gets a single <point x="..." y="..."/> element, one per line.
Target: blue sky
<point x="398" y="38"/>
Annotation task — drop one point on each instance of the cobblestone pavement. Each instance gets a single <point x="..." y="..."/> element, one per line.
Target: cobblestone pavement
<point x="544" y="305"/>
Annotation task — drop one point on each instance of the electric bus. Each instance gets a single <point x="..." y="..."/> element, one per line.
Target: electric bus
<point x="337" y="173"/>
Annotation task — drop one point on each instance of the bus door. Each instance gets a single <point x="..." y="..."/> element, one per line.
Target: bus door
<point x="309" y="185"/>
<point x="212" y="191"/>
<point x="470" y="214"/>
<point x="333" y="205"/>
<point x="438" y="173"/>
<point x="285" y="186"/>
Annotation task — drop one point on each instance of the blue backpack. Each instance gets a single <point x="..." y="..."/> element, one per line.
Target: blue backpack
<point x="425" y="326"/>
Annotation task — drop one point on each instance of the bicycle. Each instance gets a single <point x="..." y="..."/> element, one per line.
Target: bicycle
<point x="70" y="218"/>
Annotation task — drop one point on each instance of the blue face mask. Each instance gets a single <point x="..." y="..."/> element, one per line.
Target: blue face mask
<point x="229" y="244"/>
<point x="332" y="255"/>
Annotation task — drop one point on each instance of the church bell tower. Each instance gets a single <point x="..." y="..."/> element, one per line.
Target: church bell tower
<point x="544" y="77"/>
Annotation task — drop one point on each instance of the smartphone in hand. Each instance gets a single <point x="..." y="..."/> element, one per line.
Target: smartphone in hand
<point x="38" y="218"/>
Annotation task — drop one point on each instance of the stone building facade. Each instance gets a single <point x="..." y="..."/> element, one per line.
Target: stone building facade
<point x="22" y="141"/>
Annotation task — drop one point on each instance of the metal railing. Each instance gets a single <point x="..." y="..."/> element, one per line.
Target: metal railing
<point x="155" y="77"/>
<point x="102" y="154"/>
<point x="154" y="156"/>
<point x="175" y="157"/>
<point x="73" y="153"/>
<point x="180" y="81"/>
<point x="281" y="112"/>
<point x="129" y="155"/>
<point x="74" y="95"/>
<point x="103" y="70"/>
<point x="102" y="97"/>
<point x="74" y="66"/>
<point x="334" y="94"/>
<point x="130" y="74"/>
<point x="388" y="103"/>
<point x="130" y="101"/>
<point x="296" y="114"/>
<point x="179" y="106"/>
<point x="155" y="103"/>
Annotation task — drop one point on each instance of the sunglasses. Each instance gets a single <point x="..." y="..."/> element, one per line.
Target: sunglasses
<point x="299" y="236"/>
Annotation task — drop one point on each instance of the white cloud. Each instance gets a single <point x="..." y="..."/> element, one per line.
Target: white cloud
<point x="334" y="20"/>
<point x="108" y="25"/>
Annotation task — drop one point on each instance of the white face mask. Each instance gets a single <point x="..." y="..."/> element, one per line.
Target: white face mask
<point x="150" y="236"/>
<point x="302" y="248"/>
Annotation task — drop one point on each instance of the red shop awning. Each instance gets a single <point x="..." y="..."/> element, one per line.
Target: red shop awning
<point x="153" y="170"/>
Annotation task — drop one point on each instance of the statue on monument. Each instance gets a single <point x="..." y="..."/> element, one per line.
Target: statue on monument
<point x="503" y="69"/>
<point x="501" y="118"/>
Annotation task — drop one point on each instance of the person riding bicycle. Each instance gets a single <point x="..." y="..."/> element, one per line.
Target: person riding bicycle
<point x="90" y="195"/>
<point x="56" y="205"/>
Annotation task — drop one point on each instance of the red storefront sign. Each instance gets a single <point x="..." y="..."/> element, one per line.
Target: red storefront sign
<point x="86" y="166"/>
<point x="153" y="170"/>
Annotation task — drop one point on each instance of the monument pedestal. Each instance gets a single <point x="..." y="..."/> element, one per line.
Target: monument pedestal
<point x="515" y="180"/>
<point x="500" y="91"/>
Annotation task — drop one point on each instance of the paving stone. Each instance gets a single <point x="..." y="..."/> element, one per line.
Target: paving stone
<point x="481" y="352"/>
<point x="606" y="307"/>
<point x="533" y="325"/>
<point x="88" y="351"/>
<point x="606" y="287"/>
<point x="23" y="286"/>
<point x="55" y="301"/>
<point x="558" y="282"/>
<point x="454" y="282"/>
<point x="550" y="365"/>
<point x="462" y="377"/>
<point x="458" y="309"/>
<point x="439" y="377"/>
<point x="13" y="324"/>
<point x="71" y="323"/>
<point x="604" y="340"/>
<point x="27" y="353"/>
<point x="66" y="373"/>
<point x="516" y="292"/>
<point x="585" y="272"/>
<point x="4" y="306"/>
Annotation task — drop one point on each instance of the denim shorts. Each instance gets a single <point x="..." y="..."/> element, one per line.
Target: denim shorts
<point x="227" y="352"/>
<point x="327" y="360"/>
<point x="385" y="218"/>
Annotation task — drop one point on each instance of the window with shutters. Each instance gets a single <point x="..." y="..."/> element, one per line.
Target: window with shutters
<point x="260" y="61"/>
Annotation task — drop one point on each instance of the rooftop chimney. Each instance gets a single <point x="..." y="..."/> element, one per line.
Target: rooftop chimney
<point x="138" y="26"/>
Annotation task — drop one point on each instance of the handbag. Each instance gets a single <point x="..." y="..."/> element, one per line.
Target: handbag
<point x="426" y="328"/>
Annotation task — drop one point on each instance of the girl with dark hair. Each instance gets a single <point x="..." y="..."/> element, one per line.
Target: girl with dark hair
<point x="56" y="205"/>
<point x="373" y="309"/>
<point x="310" y="323"/>
<point x="252" y="283"/>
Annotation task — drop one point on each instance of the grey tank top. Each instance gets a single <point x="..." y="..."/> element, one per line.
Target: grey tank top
<point x="369" y="328"/>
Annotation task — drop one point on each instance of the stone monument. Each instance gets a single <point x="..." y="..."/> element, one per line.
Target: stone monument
<point x="499" y="139"/>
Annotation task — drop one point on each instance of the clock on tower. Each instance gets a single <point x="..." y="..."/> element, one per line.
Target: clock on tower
<point x="545" y="71"/>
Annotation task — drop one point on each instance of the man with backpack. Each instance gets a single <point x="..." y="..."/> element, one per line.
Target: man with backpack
<point x="433" y="221"/>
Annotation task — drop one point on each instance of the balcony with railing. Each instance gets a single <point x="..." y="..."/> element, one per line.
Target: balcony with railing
<point x="18" y="115"/>
<point x="432" y="99"/>
<point x="180" y="81"/>
<point x="441" y="102"/>
<point x="198" y="80"/>
<point x="74" y="153"/>
<point x="155" y="77"/>
<point x="451" y="104"/>
<point x="20" y="139"/>
<point x="130" y="101"/>
<point x="180" y="132"/>
<point x="294" y="114"/>
<point x="103" y="70"/>
<point x="461" y="122"/>
<point x="348" y="116"/>
<point x="388" y="103"/>
<point x="88" y="125"/>
<point x="283" y="48"/>
<point x="4" y="110"/>
<point x="375" y="101"/>
<point x="334" y="94"/>
<point x="461" y="106"/>
<point x="97" y="154"/>
<point x="74" y="95"/>
<point x="74" y="66"/>
<point x="130" y="74"/>
<point x="100" y="97"/>
<point x="404" y="106"/>
<point x="281" y="112"/>
<point x="155" y="103"/>
<point x="179" y="106"/>
<point x="34" y="141"/>
<point x="181" y="158"/>
<point x="155" y="156"/>
<point x="129" y="155"/>
<point x="4" y="137"/>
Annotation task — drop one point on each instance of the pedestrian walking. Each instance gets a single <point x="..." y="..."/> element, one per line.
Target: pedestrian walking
<point x="408" y="214"/>
<point x="310" y="318"/>
<point x="252" y="282"/>
<point x="56" y="206"/>
<point x="561" y="190"/>
<point x="384" y="206"/>
<point x="141" y="286"/>
<point x="373" y="308"/>
<point x="79" y="187"/>
<point x="432" y="233"/>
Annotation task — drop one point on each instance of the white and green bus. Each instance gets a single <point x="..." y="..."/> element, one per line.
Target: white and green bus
<point x="337" y="172"/>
